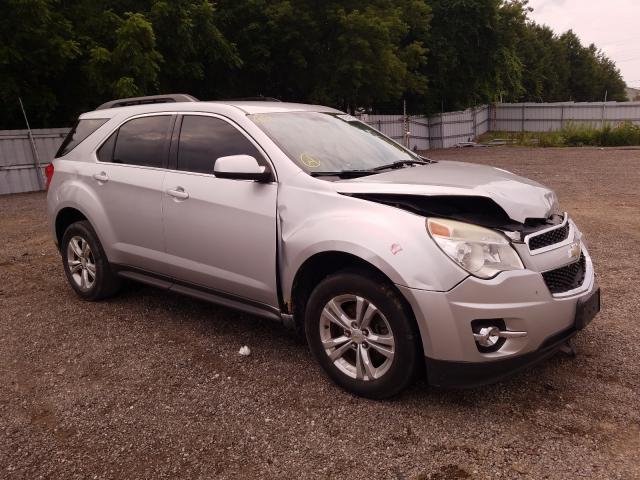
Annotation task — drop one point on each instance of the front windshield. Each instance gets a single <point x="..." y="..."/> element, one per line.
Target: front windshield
<point x="330" y="142"/>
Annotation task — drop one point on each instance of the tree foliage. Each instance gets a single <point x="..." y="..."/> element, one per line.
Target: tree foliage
<point x="67" y="56"/>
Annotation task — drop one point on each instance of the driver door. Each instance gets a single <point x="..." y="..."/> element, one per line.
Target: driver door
<point x="220" y="234"/>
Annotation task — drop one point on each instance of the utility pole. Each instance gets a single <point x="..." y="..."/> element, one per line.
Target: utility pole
<point x="34" y="150"/>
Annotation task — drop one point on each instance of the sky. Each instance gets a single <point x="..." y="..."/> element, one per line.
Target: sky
<point x="613" y="25"/>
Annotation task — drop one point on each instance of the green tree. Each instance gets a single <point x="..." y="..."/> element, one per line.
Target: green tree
<point x="196" y="54"/>
<point x="466" y="48"/>
<point x="36" y="45"/>
<point x="546" y="69"/>
<point x="67" y="56"/>
<point x="591" y="74"/>
<point x="129" y="65"/>
<point x="343" y="53"/>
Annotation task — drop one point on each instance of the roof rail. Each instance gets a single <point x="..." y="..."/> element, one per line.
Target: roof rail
<point x="254" y="99"/>
<point x="169" y="98"/>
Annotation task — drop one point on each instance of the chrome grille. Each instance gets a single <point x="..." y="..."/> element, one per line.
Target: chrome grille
<point x="550" y="237"/>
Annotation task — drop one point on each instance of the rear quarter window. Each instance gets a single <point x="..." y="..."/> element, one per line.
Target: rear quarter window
<point x="80" y="131"/>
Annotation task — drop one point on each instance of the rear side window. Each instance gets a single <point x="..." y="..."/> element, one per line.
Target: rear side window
<point x="81" y="130"/>
<point x="141" y="141"/>
<point x="205" y="139"/>
<point x="105" y="152"/>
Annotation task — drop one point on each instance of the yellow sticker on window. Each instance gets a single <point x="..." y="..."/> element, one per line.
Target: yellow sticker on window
<point x="309" y="161"/>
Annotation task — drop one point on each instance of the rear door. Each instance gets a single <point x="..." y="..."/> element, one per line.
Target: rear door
<point x="220" y="233"/>
<point x="128" y="179"/>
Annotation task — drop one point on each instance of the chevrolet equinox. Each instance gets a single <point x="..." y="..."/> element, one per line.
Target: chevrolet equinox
<point x="390" y="263"/>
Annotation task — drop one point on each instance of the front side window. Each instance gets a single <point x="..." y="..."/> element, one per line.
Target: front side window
<point x="205" y="139"/>
<point x="141" y="141"/>
<point x="80" y="131"/>
<point x="330" y="142"/>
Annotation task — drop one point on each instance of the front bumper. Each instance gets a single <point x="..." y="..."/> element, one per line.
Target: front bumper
<point x="467" y="374"/>
<point x="520" y="298"/>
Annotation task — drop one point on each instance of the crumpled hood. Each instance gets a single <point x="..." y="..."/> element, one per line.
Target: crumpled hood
<point x="520" y="197"/>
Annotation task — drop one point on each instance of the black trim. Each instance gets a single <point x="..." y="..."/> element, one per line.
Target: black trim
<point x="443" y="373"/>
<point x="173" y="148"/>
<point x="566" y="278"/>
<point x="167" y="141"/>
<point x="201" y="292"/>
<point x="264" y="177"/>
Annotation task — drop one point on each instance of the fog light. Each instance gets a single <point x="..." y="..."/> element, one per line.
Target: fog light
<point x="491" y="335"/>
<point x="487" y="336"/>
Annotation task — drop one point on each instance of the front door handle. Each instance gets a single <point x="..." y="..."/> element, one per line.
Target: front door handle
<point x="101" y="177"/>
<point x="178" y="192"/>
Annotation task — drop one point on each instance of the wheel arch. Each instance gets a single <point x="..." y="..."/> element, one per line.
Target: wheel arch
<point x="322" y="264"/>
<point x="64" y="218"/>
<point x="80" y="203"/>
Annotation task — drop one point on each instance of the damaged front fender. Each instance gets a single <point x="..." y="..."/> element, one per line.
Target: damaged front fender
<point x="394" y="241"/>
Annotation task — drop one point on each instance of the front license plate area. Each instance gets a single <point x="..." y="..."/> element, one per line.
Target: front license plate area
<point x="586" y="309"/>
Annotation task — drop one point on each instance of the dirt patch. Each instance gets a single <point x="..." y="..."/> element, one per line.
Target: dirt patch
<point x="150" y="385"/>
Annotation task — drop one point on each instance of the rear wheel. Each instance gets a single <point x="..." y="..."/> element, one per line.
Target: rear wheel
<point x="361" y="333"/>
<point x="85" y="263"/>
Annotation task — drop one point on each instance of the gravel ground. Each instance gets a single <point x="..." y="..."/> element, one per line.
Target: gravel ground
<point x="150" y="384"/>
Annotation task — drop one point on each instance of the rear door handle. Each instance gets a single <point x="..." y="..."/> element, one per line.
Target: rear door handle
<point x="101" y="177"/>
<point x="178" y="192"/>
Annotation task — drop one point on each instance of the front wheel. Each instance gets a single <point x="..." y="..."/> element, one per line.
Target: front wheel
<point x="362" y="334"/>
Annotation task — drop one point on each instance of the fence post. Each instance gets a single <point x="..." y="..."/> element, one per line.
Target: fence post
<point x="562" y="117"/>
<point x="405" y="124"/>
<point x="493" y="116"/>
<point x="523" y="116"/>
<point x="475" y="123"/>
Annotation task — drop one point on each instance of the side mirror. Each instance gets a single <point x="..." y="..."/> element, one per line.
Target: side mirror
<point x="241" y="167"/>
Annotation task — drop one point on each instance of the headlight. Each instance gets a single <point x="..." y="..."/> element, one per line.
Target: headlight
<point x="480" y="251"/>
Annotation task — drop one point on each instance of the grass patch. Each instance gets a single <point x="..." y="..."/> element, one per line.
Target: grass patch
<point x="572" y="135"/>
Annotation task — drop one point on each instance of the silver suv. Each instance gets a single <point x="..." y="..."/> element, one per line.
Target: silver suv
<point x="389" y="263"/>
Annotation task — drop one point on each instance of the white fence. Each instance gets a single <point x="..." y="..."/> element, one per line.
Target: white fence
<point x="18" y="171"/>
<point x="450" y="129"/>
<point x="546" y="117"/>
<point x="19" y="174"/>
<point x="437" y="131"/>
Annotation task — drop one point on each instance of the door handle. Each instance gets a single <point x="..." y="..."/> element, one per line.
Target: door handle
<point x="101" y="177"/>
<point x="178" y="192"/>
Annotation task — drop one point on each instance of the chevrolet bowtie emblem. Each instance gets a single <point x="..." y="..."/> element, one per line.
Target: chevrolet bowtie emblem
<point x="574" y="250"/>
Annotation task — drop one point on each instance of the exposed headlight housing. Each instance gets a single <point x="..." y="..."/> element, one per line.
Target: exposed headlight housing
<point x="480" y="251"/>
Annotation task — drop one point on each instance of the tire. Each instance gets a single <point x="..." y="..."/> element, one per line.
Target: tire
<point x="85" y="263"/>
<point x="384" y="337"/>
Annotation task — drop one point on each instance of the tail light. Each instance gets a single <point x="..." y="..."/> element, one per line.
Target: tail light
<point x="48" y="171"/>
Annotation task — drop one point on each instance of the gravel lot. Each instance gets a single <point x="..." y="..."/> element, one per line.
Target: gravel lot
<point x="150" y="384"/>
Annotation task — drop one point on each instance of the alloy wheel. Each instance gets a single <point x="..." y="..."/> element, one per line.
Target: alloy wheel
<point x="81" y="263"/>
<point x="357" y="337"/>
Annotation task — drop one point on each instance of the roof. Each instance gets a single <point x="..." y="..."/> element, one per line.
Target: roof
<point x="248" y="107"/>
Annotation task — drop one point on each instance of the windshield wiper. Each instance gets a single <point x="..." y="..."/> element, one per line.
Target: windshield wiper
<point x="401" y="163"/>
<point x="343" y="173"/>
<point x="371" y="171"/>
